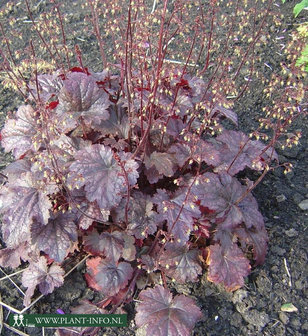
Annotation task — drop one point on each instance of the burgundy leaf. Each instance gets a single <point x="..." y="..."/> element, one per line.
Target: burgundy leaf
<point x="11" y="257"/>
<point x="116" y="125"/>
<point x="181" y="153"/>
<point x="221" y="193"/>
<point x="159" y="138"/>
<point x="108" y="276"/>
<point x="86" y="307"/>
<point x="80" y="96"/>
<point x="27" y="199"/>
<point x="181" y="264"/>
<point x="141" y="217"/>
<point x="229" y="114"/>
<point x="49" y="85"/>
<point x="250" y="213"/>
<point x="179" y="211"/>
<point x="14" y="169"/>
<point x="152" y="174"/>
<point x="228" y="266"/>
<point x="208" y="152"/>
<point x="175" y="127"/>
<point x="111" y="245"/>
<point x="17" y="134"/>
<point x="40" y="274"/>
<point x="129" y="251"/>
<point x="238" y="152"/>
<point x="164" y="315"/>
<point x="258" y="239"/>
<point x="198" y="150"/>
<point x="92" y="212"/>
<point x="57" y="237"/>
<point x="163" y="163"/>
<point x="102" y="175"/>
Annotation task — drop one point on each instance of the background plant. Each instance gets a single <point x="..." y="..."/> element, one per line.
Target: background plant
<point x="153" y="128"/>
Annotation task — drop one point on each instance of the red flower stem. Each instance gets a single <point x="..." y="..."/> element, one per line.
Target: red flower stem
<point x="209" y="42"/>
<point x="40" y="35"/>
<point x="62" y="32"/>
<point x="98" y="33"/>
<point x="154" y="91"/>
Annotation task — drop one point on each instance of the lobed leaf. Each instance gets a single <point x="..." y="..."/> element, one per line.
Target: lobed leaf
<point x="92" y="212"/>
<point x="17" y="134"/>
<point x="227" y="265"/>
<point x="181" y="264"/>
<point x="102" y="174"/>
<point x="164" y="315"/>
<point x="47" y="278"/>
<point x="162" y="162"/>
<point x="108" y="276"/>
<point x="81" y="96"/>
<point x="27" y="199"/>
<point x="220" y="192"/>
<point x="239" y="152"/>
<point x="141" y="217"/>
<point x="11" y="257"/>
<point x="179" y="211"/>
<point x="116" y="125"/>
<point x="49" y="85"/>
<point x="57" y="237"/>
<point x="111" y="245"/>
<point x="258" y="239"/>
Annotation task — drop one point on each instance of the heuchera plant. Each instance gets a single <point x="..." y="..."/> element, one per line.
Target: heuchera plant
<point x="136" y="169"/>
<point x="162" y="199"/>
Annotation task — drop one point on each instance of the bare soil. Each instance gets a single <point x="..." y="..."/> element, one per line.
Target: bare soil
<point x="254" y="309"/>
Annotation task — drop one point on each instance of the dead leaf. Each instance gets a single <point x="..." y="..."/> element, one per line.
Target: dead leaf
<point x="289" y="308"/>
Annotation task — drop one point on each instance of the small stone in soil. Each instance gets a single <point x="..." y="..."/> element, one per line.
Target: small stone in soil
<point x="291" y="233"/>
<point x="283" y="318"/>
<point x="281" y="198"/>
<point x="303" y="204"/>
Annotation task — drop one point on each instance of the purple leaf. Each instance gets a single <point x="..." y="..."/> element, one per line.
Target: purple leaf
<point x="11" y="257"/>
<point x="208" y="152"/>
<point x="229" y="114"/>
<point x="227" y="265"/>
<point x="179" y="212"/>
<point x="152" y="174"/>
<point x="102" y="175"/>
<point x="108" y="276"/>
<point x="18" y="133"/>
<point x="27" y="199"/>
<point x="57" y="237"/>
<point x="221" y="193"/>
<point x="198" y="150"/>
<point x="14" y="169"/>
<point x="49" y="85"/>
<point x="239" y="152"/>
<point x="80" y="96"/>
<point x="164" y="315"/>
<point x="180" y="264"/>
<point x="86" y="307"/>
<point x="111" y="245"/>
<point x="116" y="125"/>
<point x="163" y="163"/>
<point x="258" y="239"/>
<point x="181" y="153"/>
<point x="141" y="217"/>
<point x="40" y="274"/>
<point x="94" y="212"/>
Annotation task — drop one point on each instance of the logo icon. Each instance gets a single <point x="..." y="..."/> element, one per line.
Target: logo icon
<point x="18" y="320"/>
